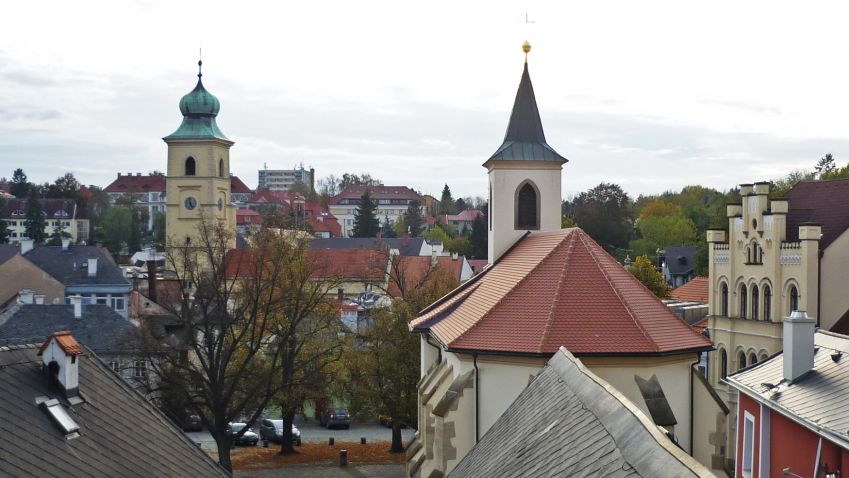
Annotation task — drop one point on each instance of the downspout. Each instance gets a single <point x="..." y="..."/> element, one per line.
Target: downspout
<point x="692" y="424"/>
<point x="477" y="415"/>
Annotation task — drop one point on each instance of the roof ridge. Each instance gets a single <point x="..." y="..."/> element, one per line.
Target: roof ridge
<point x="544" y="336"/>
<point x="518" y="284"/>
<point x="622" y="300"/>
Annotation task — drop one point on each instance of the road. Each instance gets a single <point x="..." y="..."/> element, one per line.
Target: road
<point x="313" y="433"/>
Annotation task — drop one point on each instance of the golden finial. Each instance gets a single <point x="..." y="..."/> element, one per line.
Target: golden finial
<point x="526" y="47"/>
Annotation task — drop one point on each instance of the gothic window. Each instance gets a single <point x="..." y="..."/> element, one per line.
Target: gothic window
<point x="743" y="301"/>
<point x="190" y="166"/>
<point x="753" y="359"/>
<point x="725" y="299"/>
<point x="221" y="167"/>
<point x="741" y="360"/>
<point x="755" y="302"/>
<point x="794" y="298"/>
<point x="723" y="363"/>
<point x="767" y="303"/>
<point x="527" y="207"/>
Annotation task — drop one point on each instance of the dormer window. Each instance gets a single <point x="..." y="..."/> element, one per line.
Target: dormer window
<point x="18" y="212"/>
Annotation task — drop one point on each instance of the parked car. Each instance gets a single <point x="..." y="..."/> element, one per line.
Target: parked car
<point x="193" y="424"/>
<point x="247" y="438"/>
<point x="335" y="417"/>
<point x="272" y="430"/>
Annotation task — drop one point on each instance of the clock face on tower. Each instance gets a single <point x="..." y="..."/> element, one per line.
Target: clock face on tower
<point x="191" y="203"/>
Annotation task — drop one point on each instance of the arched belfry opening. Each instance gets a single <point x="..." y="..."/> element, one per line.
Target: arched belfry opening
<point x="221" y="168"/>
<point x="190" y="166"/>
<point x="527" y="206"/>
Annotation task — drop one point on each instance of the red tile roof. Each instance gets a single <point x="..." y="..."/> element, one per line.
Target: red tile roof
<point x="238" y="187"/>
<point x="821" y="202"/>
<point x="66" y="342"/>
<point x="552" y="289"/>
<point x="377" y="192"/>
<point x="694" y="291"/>
<point x="326" y="223"/>
<point x="137" y="184"/>
<point x="248" y="217"/>
<point x="347" y="264"/>
<point x="276" y="197"/>
<point x="477" y="265"/>
<point x="467" y="215"/>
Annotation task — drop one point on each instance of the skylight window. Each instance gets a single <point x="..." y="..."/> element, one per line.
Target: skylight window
<point x="60" y="416"/>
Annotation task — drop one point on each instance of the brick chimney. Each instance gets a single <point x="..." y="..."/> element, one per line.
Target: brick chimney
<point x="59" y="357"/>
<point x="798" y="344"/>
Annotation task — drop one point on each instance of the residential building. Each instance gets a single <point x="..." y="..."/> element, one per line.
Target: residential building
<point x="679" y="265"/>
<point x="87" y="271"/>
<point x="792" y="418"/>
<point x="392" y="203"/>
<point x="406" y="246"/>
<point x="548" y="287"/>
<point x="65" y="214"/>
<point x="198" y="182"/>
<point x="17" y="274"/>
<point x="248" y="221"/>
<point x="71" y="416"/>
<point x="284" y="179"/>
<point x="571" y="422"/>
<point x="462" y="222"/>
<point x="108" y="334"/>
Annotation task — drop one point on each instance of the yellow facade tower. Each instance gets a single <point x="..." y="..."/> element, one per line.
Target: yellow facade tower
<point x="198" y="179"/>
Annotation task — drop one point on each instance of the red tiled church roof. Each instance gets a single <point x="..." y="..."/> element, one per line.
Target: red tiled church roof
<point x="694" y="291"/>
<point x="552" y="289"/>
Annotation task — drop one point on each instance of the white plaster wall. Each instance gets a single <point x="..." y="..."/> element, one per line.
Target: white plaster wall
<point x="500" y="383"/>
<point x="834" y="301"/>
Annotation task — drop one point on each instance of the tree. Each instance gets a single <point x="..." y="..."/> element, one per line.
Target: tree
<point x="460" y="205"/>
<point x="659" y="207"/>
<point x="643" y="269"/>
<point x="329" y="186"/>
<point x="35" y="221"/>
<point x="413" y="218"/>
<point x="120" y="229"/>
<point x="57" y="235"/>
<point x="386" y="229"/>
<point x="657" y="232"/>
<point x="159" y="229"/>
<point x="363" y="179"/>
<point x="479" y="238"/>
<point x="65" y="186"/>
<point x="366" y="223"/>
<point x="825" y="165"/>
<point x="780" y="187"/>
<point x="446" y="202"/>
<point x="223" y="361"/>
<point x="604" y="212"/>
<point x="20" y="186"/>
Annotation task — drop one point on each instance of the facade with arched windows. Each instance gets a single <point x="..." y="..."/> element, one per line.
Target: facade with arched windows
<point x="198" y="183"/>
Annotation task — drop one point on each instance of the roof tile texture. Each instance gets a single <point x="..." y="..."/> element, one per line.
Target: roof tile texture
<point x="66" y="342"/>
<point x="552" y="289"/>
<point x="821" y="202"/>
<point x="694" y="291"/>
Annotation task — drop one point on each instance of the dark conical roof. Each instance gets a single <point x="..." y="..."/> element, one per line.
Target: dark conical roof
<point x="525" y="139"/>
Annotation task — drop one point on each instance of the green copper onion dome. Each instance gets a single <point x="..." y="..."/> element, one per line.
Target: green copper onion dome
<point x="199" y="108"/>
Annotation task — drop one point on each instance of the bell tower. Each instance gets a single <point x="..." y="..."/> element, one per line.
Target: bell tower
<point x="198" y="180"/>
<point x="524" y="175"/>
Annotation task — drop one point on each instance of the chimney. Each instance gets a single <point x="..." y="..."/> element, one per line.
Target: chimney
<point x="119" y="174"/>
<point x="65" y="243"/>
<point x="151" y="279"/>
<point x="92" y="267"/>
<point x="455" y="256"/>
<point x="798" y="344"/>
<point x="26" y="296"/>
<point x="77" y="302"/>
<point x="26" y="246"/>
<point x="39" y="299"/>
<point x="59" y="357"/>
<point x="433" y="260"/>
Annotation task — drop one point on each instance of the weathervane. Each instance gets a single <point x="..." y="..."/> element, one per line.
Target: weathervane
<point x="526" y="47"/>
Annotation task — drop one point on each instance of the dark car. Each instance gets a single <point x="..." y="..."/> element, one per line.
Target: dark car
<point x="193" y="424"/>
<point x="336" y="417"/>
<point x="247" y="438"/>
<point x="272" y="430"/>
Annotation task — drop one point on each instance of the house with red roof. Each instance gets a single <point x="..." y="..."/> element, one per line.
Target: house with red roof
<point x="462" y="221"/>
<point x="547" y="288"/>
<point x="392" y="202"/>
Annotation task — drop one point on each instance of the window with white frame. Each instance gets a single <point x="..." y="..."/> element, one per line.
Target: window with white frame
<point x="748" y="444"/>
<point x="115" y="366"/>
<point x="140" y="369"/>
<point x="118" y="303"/>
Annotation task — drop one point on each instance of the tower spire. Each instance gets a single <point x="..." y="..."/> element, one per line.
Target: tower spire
<point x="526" y="47"/>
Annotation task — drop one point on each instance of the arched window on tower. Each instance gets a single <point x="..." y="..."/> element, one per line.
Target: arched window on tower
<point x="755" y="302"/>
<point x="767" y="303"/>
<point x="743" y="301"/>
<point x="741" y="360"/>
<point x="794" y="298"/>
<point x="724" y="299"/>
<point x="221" y="168"/>
<point x="190" y="166"/>
<point x="527" y="207"/>
<point x="723" y="363"/>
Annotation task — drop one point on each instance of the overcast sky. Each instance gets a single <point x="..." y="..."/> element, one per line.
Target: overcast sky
<point x="650" y="95"/>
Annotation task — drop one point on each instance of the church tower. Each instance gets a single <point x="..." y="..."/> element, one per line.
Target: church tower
<point x="524" y="175"/>
<point x="198" y="180"/>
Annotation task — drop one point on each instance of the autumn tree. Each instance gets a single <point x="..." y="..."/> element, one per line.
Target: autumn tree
<point x="366" y="223"/>
<point x="643" y="269"/>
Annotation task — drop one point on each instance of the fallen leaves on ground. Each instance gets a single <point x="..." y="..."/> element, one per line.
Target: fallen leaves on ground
<point x="251" y="458"/>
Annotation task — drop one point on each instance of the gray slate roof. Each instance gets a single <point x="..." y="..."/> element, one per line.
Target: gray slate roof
<point x="100" y="328"/>
<point x="525" y="139"/>
<point x="570" y="423"/>
<point x="67" y="266"/>
<point x="406" y="247"/>
<point x="817" y="398"/>
<point x="680" y="260"/>
<point x="121" y="433"/>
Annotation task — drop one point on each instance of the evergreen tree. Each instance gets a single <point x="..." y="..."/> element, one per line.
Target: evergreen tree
<point x="825" y="165"/>
<point x="366" y="223"/>
<point x="446" y="202"/>
<point x="20" y="185"/>
<point x="35" y="222"/>
<point x="57" y="235"/>
<point x="414" y="219"/>
<point x="386" y="230"/>
<point x="479" y="238"/>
